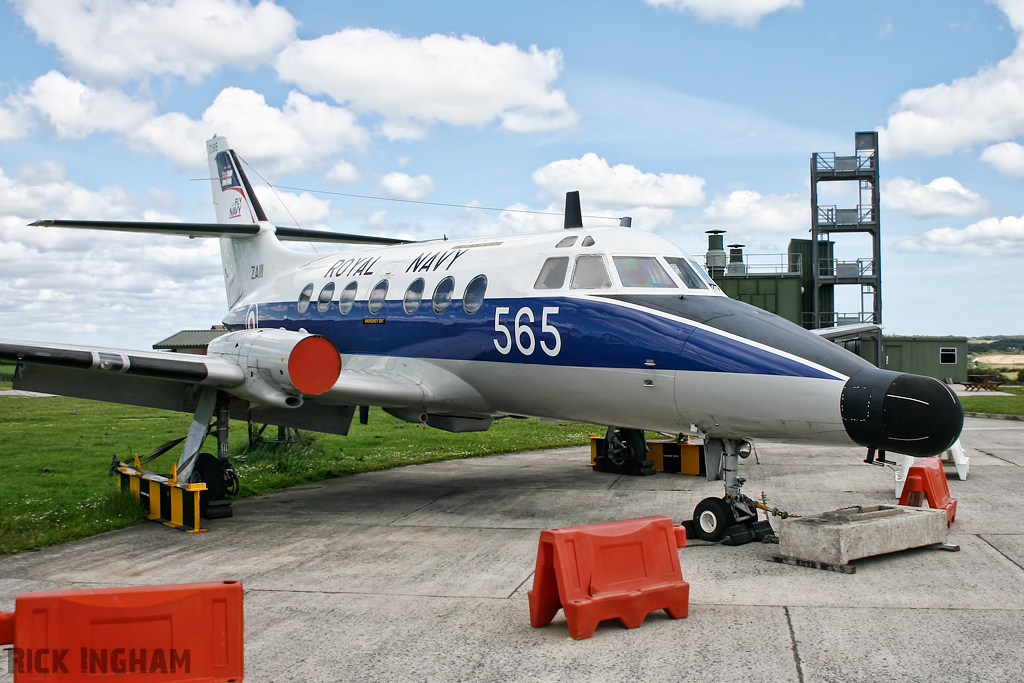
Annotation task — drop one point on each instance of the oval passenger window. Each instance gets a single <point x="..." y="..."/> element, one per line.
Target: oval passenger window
<point x="443" y="294"/>
<point x="377" y="294"/>
<point x="304" y="296"/>
<point x="347" y="298"/>
<point x="413" y="296"/>
<point x="473" y="299"/>
<point x="323" y="302"/>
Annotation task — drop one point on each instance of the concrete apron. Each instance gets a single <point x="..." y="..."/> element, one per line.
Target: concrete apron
<point x="421" y="573"/>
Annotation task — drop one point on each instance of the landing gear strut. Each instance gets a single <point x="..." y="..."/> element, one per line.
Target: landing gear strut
<point x="216" y="472"/>
<point x="731" y="519"/>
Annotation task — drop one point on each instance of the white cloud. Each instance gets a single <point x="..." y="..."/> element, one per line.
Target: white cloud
<point x="413" y="83"/>
<point x="288" y="208"/>
<point x="343" y="172"/>
<point x="79" y="286"/>
<point x="15" y="120"/>
<point x="1006" y="157"/>
<point x="75" y="110"/>
<point x="941" y="197"/>
<point x="985" y="107"/>
<point x="753" y="212"/>
<point x="298" y="135"/>
<point x="739" y="12"/>
<point x="617" y="187"/>
<point x="119" y="40"/>
<point x="43" y="190"/>
<point x="987" y="237"/>
<point x="404" y="186"/>
<point x="517" y="219"/>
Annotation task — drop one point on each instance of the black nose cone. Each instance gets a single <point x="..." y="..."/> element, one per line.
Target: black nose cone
<point x="901" y="413"/>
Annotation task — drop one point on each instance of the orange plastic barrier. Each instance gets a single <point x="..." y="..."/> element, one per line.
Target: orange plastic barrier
<point x="188" y="632"/>
<point x="927" y="478"/>
<point x="616" y="570"/>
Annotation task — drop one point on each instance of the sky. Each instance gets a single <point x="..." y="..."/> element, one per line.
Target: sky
<point x="687" y="115"/>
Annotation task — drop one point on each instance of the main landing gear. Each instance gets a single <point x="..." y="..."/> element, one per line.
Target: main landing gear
<point x="624" y="452"/>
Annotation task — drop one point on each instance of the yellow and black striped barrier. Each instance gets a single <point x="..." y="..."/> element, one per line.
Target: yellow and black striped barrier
<point x="170" y="502"/>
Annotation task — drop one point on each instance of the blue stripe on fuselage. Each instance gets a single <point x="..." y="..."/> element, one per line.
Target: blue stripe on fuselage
<point x="593" y="333"/>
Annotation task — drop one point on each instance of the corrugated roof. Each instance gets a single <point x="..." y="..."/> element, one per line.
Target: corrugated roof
<point x="189" y="339"/>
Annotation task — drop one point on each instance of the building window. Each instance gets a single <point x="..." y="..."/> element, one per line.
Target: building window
<point x="947" y="355"/>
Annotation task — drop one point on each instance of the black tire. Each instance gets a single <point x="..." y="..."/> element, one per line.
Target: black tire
<point x="624" y="449"/>
<point x="209" y="471"/>
<point x="711" y="518"/>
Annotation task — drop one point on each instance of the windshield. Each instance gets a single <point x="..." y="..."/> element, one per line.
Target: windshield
<point x="642" y="271"/>
<point x="687" y="272"/>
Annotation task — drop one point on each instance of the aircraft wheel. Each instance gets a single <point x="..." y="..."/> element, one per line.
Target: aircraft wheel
<point x="209" y="471"/>
<point x="711" y="518"/>
<point x="624" y="449"/>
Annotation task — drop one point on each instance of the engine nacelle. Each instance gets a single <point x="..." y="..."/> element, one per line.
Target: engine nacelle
<point x="281" y="366"/>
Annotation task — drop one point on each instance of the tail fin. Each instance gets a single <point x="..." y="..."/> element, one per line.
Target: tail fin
<point x="232" y="194"/>
<point x="248" y="261"/>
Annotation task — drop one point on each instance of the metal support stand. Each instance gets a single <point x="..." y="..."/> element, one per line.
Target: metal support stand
<point x="197" y="432"/>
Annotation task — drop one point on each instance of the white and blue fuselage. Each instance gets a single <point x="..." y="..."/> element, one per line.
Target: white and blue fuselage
<point x="604" y="325"/>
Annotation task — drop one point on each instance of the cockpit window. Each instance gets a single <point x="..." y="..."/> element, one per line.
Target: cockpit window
<point x="347" y="298"/>
<point x="588" y="241"/>
<point x="304" y="296"/>
<point x="566" y="242"/>
<point x="685" y="270"/>
<point x="590" y="273"/>
<point x="552" y="273"/>
<point x="641" y="271"/>
<point x="323" y="302"/>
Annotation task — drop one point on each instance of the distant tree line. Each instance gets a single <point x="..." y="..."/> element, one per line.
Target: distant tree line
<point x="1002" y="344"/>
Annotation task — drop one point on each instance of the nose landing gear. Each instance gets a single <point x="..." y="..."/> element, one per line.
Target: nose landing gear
<point x="731" y="519"/>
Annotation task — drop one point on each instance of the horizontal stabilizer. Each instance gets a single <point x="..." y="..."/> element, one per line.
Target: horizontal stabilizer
<point x="218" y="230"/>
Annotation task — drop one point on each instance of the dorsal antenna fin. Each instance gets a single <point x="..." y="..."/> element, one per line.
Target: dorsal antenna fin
<point x="573" y="212"/>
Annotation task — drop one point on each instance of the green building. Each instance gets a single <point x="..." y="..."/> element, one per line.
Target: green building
<point x="781" y="284"/>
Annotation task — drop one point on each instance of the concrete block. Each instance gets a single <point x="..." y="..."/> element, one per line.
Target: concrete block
<point x="841" y="536"/>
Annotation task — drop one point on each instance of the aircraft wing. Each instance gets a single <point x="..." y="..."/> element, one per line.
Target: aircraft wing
<point x="239" y="230"/>
<point x="203" y="370"/>
<point x="173" y="381"/>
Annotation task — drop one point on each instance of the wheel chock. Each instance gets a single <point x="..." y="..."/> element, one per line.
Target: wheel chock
<point x="738" y="534"/>
<point x="927" y="478"/>
<point x="615" y="570"/>
<point x="186" y="632"/>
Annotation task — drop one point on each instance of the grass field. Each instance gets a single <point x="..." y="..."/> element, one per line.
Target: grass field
<point x="55" y="454"/>
<point x="1002" y="405"/>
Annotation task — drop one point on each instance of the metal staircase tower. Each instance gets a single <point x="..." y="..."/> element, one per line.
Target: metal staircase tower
<point x="828" y="221"/>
